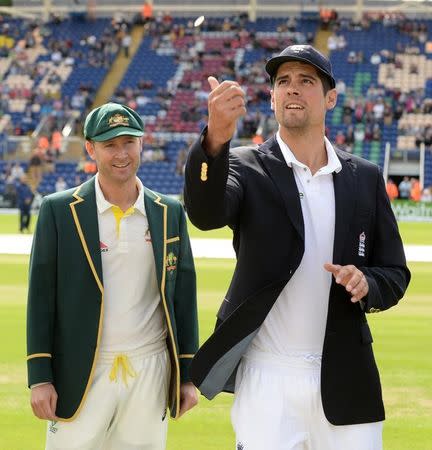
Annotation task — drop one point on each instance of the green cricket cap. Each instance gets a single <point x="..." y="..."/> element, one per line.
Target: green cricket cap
<point x="111" y="120"/>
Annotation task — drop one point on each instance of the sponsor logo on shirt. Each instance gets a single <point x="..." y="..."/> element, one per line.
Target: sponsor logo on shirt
<point x="103" y="247"/>
<point x="52" y="427"/>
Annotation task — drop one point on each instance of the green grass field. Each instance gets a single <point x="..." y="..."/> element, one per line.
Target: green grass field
<point x="419" y="233"/>
<point x="402" y="342"/>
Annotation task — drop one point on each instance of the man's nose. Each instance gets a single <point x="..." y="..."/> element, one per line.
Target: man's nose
<point x="121" y="151"/>
<point x="292" y="89"/>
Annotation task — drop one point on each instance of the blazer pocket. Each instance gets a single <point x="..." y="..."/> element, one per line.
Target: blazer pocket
<point x="173" y="239"/>
<point x="366" y="335"/>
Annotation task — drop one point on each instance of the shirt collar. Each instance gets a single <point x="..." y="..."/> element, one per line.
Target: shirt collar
<point x="103" y="204"/>
<point x="333" y="163"/>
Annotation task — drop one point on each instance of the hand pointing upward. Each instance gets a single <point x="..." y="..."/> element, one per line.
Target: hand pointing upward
<point x="226" y="103"/>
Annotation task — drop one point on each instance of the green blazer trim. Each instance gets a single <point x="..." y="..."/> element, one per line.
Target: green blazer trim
<point x="175" y="383"/>
<point x="98" y="280"/>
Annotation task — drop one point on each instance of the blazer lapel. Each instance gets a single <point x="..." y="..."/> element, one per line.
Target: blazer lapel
<point x="84" y="213"/>
<point x="156" y="212"/>
<point x="345" y="188"/>
<point x="283" y="177"/>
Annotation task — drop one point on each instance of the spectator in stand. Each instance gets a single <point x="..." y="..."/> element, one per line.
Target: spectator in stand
<point x="405" y="188"/>
<point x="359" y="133"/>
<point x="126" y="41"/>
<point x="56" y="141"/>
<point x="16" y="172"/>
<point x="340" y="139"/>
<point x="375" y="59"/>
<point x="426" y="195"/>
<point x="90" y="168"/>
<point x="340" y="87"/>
<point x="392" y="189"/>
<point x="35" y="167"/>
<point x="60" y="184"/>
<point x="181" y="159"/>
<point x="415" y="192"/>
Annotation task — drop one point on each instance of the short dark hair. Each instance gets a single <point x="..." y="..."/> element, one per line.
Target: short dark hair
<point x="325" y="82"/>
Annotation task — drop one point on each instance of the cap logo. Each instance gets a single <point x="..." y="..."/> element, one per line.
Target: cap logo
<point x="118" y="119"/>
<point x="296" y="48"/>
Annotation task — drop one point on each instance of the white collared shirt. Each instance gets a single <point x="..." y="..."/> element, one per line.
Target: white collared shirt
<point x="133" y="315"/>
<point x="296" y="323"/>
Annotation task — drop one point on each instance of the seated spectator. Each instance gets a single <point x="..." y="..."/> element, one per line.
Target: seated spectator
<point x="392" y="190"/>
<point x="405" y="188"/>
<point x="60" y="184"/>
<point x="35" y="167"/>
<point x="181" y="160"/>
<point x="49" y="158"/>
<point x="340" y="139"/>
<point x="90" y="168"/>
<point x="415" y="192"/>
<point x="340" y="87"/>
<point x="359" y="133"/>
<point x="375" y="59"/>
<point x="426" y="195"/>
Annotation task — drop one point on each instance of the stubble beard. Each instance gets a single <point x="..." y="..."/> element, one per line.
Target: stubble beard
<point x="294" y="125"/>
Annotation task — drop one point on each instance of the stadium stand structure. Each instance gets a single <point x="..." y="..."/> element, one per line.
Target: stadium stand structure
<point x="166" y="83"/>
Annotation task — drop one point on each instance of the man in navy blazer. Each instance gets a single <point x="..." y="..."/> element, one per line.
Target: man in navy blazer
<point x="317" y="248"/>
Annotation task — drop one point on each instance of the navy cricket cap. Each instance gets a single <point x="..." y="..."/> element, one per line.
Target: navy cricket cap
<point x="302" y="53"/>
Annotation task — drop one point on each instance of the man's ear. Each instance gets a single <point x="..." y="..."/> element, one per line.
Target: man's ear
<point x="271" y="100"/>
<point x="331" y="99"/>
<point x="90" y="148"/>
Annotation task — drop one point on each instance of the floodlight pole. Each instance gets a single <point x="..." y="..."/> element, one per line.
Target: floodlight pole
<point x="359" y="9"/>
<point x="47" y="4"/>
<point x="252" y="10"/>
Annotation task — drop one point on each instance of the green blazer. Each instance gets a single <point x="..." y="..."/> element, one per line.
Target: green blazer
<point x="66" y="293"/>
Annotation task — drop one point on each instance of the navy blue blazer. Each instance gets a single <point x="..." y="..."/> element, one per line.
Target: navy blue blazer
<point x="252" y="190"/>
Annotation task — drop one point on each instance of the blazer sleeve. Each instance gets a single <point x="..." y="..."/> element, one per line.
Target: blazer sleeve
<point x="387" y="273"/>
<point x="214" y="187"/>
<point x="41" y="297"/>
<point x="185" y="302"/>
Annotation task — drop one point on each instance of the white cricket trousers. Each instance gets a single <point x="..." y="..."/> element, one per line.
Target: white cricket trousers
<point x="126" y="407"/>
<point x="277" y="406"/>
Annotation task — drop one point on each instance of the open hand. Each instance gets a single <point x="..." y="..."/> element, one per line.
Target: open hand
<point x="351" y="278"/>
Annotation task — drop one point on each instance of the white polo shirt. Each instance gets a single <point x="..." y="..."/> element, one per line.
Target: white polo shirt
<point x="296" y="323"/>
<point x="133" y="315"/>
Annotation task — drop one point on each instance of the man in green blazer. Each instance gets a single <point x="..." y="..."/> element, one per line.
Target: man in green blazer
<point x="111" y="319"/>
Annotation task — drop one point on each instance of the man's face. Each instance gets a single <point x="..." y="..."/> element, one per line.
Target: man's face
<point x="117" y="159"/>
<point x="298" y="98"/>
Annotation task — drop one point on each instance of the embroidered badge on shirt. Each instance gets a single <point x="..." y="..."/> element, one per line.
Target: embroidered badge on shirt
<point x="171" y="262"/>
<point x="103" y="247"/>
<point x="362" y="244"/>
